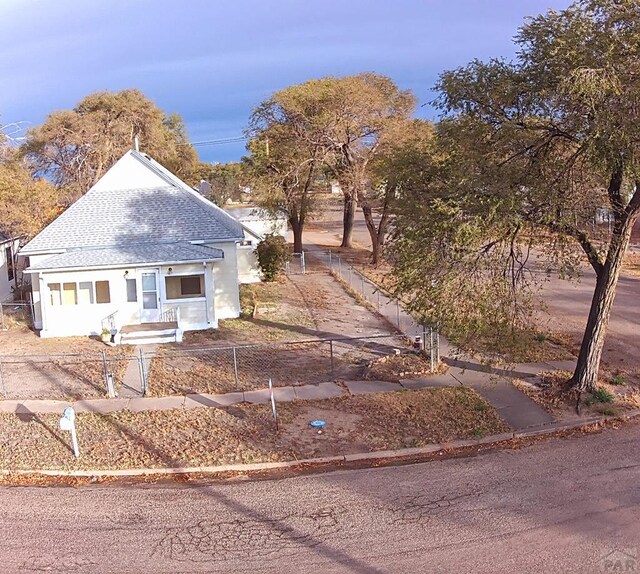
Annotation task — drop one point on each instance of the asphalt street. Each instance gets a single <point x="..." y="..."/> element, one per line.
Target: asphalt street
<point x="562" y="505"/>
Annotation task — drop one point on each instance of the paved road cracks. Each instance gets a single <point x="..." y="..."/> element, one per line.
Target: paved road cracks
<point x="559" y="506"/>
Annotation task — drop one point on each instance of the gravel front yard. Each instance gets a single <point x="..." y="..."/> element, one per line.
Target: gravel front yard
<point x="246" y="433"/>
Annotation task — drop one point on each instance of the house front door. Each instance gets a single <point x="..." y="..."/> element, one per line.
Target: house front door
<point x="150" y="300"/>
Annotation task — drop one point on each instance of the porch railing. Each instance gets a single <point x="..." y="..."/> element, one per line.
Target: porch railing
<point x="109" y="322"/>
<point x="170" y="315"/>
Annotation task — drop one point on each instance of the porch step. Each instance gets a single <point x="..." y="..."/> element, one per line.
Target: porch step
<point x="149" y="333"/>
<point x="148" y="339"/>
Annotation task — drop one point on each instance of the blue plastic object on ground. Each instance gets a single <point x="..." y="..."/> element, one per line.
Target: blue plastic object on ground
<point x="317" y="424"/>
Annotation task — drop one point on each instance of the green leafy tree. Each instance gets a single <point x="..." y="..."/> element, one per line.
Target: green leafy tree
<point x="273" y="253"/>
<point x="74" y="148"/>
<point x="283" y="171"/>
<point x="529" y="151"/>
<point x="336" y="125"/>
<point x="404" y="151"/>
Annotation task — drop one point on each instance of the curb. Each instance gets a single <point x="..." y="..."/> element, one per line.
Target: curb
<point x="387" y="455"/>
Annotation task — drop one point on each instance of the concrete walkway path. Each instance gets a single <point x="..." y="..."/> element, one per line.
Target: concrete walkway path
<point x="514" y="407"/>
<point x="131" y="385"/>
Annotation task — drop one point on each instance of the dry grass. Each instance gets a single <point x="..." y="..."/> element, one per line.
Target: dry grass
<point x="523" y="346"/>
<point x="554" y="394"/>
<point x="631" y="264"/>
<point x="246" y="433"/>
<point x="270" y="312"/>
<point x="398" y="367"/>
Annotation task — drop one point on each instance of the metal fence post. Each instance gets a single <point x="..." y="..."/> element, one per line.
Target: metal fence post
<point x="437" y="346"/>
<point x="4" y="388"/>
<point x="378" y="301"/>
<point x="331" y="355"/>
<point x="362" y="285"/>
<point x="105" y="371"/>
<point x="330" y="262"/>
<point x="143" y="374"/>
<point x="340" y="267"/>
<point x="350" y="273"/>
<point x="304" y="268"/>
<point x="235" y="368"/>
<point x="398" y="313"/>
<point x="1" y="317"/>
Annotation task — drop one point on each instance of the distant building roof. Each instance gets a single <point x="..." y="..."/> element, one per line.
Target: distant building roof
<point x="150" y="254"/>
<point x="172" y="212"/>
<point x="252" y="213"/>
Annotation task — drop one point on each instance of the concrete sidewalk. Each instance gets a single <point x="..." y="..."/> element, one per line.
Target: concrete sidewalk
<point x="514" y="407"/>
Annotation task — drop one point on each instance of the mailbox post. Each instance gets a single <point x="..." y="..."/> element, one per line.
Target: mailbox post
<point x="68" y="423"/>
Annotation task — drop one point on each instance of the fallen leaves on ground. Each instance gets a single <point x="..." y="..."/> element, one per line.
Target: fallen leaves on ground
<point x="246" y="433"/>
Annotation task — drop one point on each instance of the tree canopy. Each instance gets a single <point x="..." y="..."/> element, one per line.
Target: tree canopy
<point x="74" y="148"/>
<point x="528" y="152"/>
<point x="333" y="128"/>
<point x="26" y="204"/>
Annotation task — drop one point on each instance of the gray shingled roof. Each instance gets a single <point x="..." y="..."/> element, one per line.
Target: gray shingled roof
<point x="105" y="217"/>
<point x="131" y="216"/>
<point x="130" y="255"/>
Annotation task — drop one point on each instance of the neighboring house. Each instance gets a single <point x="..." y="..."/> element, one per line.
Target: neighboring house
<point x="141" y="254"/>
<point x="257" y="223"/>
<point x="8" y="250"/>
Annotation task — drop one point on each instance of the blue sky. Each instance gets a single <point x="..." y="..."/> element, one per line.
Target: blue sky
<point x="213" y="61"/>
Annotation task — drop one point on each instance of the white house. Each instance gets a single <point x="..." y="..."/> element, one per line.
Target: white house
<point x="8" y="250"/>
<point x="257" y="223"/>
<point x="141" y="254"/>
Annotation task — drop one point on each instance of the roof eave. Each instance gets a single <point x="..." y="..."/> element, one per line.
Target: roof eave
<point x="31" y="270"/>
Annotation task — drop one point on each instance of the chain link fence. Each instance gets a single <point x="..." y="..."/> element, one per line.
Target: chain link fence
<point x="248" y="367"/>
<point x="15" y="312"/>
<point x="221" y="369"/>
<point x="389" y="307"/>
<point x="182" y="371"/>
<point x="63" y="376"/>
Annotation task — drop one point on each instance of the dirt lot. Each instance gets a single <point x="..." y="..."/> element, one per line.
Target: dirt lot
<point x="282" y="315"/>
<point x="247" y="433"/>
<point x="62" y="368"/>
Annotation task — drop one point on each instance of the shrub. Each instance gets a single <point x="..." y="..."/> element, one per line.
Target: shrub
<point x="602" y="395"/>
<point x="273" y="253"/>
<point x="617" y="380"/>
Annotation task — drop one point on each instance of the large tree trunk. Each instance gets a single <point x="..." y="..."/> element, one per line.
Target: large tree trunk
<point x="348" y="218"/>
<point x="585" y="377"/>
<point x="296" y="227"/>
<point x="379" y="233"/>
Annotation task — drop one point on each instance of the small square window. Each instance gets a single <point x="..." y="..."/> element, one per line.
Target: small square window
<point x="103" y="295"/>
<point x="69" y="294"/>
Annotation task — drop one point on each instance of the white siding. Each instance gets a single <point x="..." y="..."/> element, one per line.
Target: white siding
<point x="6" y="286"/>
<point x="129" y="173"/>
<point x="248" y="268"/>
<point x="86" y="319"/>
<point x="226" y="284"/>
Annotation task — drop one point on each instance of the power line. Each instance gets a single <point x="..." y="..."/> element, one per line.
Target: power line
<point x="221" y="141"/>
